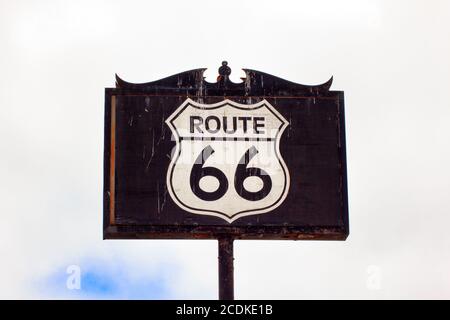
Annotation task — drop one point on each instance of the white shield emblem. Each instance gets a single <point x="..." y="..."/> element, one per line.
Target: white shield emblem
<point x="227" y="160"/>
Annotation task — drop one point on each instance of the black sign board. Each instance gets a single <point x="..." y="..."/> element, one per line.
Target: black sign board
<point x="188" y="159"/>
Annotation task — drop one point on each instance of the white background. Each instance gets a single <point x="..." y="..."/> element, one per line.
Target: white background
<point x="390" y="57"/>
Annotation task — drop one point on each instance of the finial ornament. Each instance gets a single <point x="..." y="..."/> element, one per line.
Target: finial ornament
<point x="224" y="70"/>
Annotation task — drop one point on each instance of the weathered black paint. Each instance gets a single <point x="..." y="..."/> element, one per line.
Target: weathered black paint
<point x="313" y="148"/>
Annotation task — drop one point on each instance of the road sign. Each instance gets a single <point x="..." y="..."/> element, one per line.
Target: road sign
<point x="260" y="159"/>
<point x="227" y="160"/>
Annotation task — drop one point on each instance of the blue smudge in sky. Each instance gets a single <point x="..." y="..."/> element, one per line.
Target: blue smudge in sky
<point x="108" y="280"/>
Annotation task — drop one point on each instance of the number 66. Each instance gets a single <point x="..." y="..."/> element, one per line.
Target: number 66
<point x="242" y="172"/>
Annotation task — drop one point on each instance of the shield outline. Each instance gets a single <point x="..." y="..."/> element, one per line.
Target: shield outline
<point x="177" y="152"/>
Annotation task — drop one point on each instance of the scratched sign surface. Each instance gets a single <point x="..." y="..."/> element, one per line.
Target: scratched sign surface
<point x="260" y="159"/>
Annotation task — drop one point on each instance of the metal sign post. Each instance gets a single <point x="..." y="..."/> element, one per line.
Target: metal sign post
<point x="185" y="158"/>
<point x="226" y="268"/>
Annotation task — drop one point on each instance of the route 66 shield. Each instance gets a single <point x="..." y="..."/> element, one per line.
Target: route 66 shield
<point x="227" y="161"/>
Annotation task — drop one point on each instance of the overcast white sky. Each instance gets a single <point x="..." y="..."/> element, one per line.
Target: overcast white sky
<point x="392" y="59"/>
